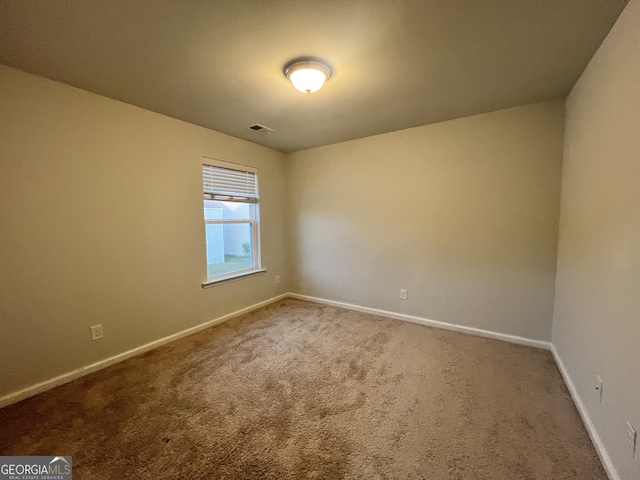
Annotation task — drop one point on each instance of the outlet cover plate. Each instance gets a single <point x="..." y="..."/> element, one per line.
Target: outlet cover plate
<point x="96" y="332"/>
<point x="632" y="437"/>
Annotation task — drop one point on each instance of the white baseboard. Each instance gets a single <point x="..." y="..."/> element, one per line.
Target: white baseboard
<point x="586" y="419"/>
<point x="94" y="367"/>
<point x="40" y="387"/>
<point x="431" y="323"/>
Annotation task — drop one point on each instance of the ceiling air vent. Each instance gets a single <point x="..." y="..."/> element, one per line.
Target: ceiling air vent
<point x="261" y="128"/>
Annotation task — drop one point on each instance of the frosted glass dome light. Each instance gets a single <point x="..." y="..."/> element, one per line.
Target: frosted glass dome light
<point x="307" y="75"/>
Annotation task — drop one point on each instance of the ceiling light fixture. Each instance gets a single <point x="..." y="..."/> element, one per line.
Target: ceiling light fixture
<point x="307" y="74"/>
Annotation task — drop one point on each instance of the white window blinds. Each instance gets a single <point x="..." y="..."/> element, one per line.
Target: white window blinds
<point x="229" y="185"/>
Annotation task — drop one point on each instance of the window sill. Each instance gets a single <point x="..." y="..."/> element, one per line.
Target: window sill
<point x="233" y="278"/>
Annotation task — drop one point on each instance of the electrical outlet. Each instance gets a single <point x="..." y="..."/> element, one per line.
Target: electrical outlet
<point x="599" y="387"/>
<point x="403" y="294"/>
<point x="632" y="438"/>
<point x="277" y="279"/>
<point x="96" y="332"/>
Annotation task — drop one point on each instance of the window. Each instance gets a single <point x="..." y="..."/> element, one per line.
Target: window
<point x="231" y="216"/>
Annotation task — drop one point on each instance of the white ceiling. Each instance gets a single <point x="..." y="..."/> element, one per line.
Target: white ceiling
<point x="397" y="63"/>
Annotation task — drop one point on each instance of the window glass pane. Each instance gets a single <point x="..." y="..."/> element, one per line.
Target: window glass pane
<point x="229" y="248"/>
<point x="214" y="210"/>
<point x="212" y="213"/>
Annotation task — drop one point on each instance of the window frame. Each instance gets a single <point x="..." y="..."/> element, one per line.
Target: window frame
<point x="253" y="222"/>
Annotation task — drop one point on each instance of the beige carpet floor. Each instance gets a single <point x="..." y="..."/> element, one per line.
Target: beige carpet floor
<point x="301" y="390"/>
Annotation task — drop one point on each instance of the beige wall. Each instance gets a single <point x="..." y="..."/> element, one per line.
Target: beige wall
<point x="102" y="222"/>
<point x="596" y="327"/>
<point x="463" y="214"/>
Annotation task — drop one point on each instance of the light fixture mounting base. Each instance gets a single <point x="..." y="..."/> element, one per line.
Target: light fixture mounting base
<point x="314" y="62"/>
